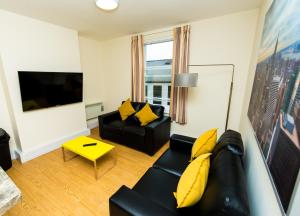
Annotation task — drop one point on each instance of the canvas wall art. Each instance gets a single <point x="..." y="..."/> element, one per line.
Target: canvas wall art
<point x="274" y="109"/>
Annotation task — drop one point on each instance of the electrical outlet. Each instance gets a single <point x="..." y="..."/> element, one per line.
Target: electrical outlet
<point x="102" y="108"/>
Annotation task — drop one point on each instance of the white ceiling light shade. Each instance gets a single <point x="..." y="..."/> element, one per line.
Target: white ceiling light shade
<point x="107" y="4"/>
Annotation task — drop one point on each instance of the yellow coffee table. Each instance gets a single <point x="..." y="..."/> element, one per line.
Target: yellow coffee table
<point x="91" y="153"/>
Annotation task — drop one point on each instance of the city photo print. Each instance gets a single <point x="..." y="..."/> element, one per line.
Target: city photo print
<point x="274" y="108"/>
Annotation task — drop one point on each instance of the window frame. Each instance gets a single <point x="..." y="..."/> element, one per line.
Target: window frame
<point x="169" y="38"/>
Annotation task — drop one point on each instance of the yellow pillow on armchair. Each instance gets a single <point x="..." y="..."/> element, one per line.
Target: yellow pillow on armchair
<point x="145" y="115"/>
<point x="192" y="183"/>
<point x="205" y="143"/>
<point x="126" y="109"/>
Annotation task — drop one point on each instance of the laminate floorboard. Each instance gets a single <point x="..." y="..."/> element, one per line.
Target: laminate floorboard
<point x="52" y="187"/>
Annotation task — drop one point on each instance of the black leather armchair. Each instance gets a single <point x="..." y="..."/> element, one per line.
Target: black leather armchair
<point x="225" y="194"/>
<point x="147" y="139"/>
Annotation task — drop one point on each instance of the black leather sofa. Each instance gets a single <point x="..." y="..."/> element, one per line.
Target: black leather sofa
<point x="147" y="139"/>
<point x="225" y="193"/>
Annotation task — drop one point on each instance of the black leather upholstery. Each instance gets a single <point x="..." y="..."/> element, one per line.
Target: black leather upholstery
<point x="128" y="202"/>
<point x="173" y="161"/>
<point x="232" y="141"/>
<point x="129" y="132"/>
<point x="181" y="143"/>
<point x="226" y="187"/>
<point x="225" y="193"/>
<point x="164" y="184"/>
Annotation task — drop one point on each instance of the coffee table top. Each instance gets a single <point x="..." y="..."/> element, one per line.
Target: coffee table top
<point x="90" y="152"/>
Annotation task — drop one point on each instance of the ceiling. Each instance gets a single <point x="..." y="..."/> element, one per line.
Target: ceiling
<point x="132" y="16"/>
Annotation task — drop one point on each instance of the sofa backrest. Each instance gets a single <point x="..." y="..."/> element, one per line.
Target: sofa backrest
<point x="230" y="140"/>
<point x="225" y="193"/>
<point x="157" y="109"/>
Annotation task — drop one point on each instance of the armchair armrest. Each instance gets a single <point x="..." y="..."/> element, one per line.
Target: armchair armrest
<point x="157" y="134"/>
<point x="182" y="143"/>
<point x="127" y="202"/>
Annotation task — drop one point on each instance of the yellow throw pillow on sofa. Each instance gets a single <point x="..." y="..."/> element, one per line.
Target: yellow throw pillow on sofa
<point x="193" y="181"/>
<point x="145" y="115"/>
<point x="126" y="109"/>
<point x="205" y="143"/>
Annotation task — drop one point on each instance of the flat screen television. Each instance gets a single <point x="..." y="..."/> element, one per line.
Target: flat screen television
<point x="48" y="89"/>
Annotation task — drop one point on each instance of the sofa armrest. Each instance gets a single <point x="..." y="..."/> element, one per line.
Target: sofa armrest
<point x="157" y="134"/>
<point x="127" y="202"/>
<point x="107" y="117"/>
<point x="182" y="143"/>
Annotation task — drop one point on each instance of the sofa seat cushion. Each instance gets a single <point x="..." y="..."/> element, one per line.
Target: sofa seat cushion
<point x="134" y="130"/>
<point x="158" y="186"/>
<point x="115" y="126"/>
<point x="173" y="161"/>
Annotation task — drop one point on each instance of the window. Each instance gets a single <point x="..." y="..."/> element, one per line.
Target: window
<point x="157" y="91"/>
<point x="169" y="94"/>
<point x="158" y="69"/>
<point x="146" y="90"/>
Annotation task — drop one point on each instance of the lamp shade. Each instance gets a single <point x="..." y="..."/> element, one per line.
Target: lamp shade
<point x="107" y="4"/>
<point x="186" y="80"/>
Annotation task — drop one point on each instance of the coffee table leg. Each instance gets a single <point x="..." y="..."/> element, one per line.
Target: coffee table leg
<point x="95" y="168"/>
<point x="63" y="151"/>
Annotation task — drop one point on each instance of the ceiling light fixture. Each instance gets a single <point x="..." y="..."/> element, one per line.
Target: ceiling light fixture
<point x="107" y="4"/>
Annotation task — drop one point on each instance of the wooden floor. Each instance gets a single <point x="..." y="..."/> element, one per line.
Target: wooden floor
<point x="52" y="187"/>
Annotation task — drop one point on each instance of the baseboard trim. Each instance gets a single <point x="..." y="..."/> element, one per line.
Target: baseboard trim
<point x="13" y="154"/>
<point x="30" y="154"/>
<point x="93" y="123"/>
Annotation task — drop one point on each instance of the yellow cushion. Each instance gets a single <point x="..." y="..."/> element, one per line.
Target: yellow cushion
<point x="145" y="115"/>
<point x="126" y="109"/>
<point x="193" y="181"/>
<point x="205" y="143"/>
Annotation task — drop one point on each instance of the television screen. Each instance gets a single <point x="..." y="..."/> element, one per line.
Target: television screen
<point x="48" y="89"/>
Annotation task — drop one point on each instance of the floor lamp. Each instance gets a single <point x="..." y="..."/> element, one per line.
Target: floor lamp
<point x="190" y="82"/>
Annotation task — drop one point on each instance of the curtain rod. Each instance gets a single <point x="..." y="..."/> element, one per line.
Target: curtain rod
<point x="157" y="32"/>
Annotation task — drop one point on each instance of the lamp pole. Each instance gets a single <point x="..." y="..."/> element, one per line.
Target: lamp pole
<point x="231" y="85"/>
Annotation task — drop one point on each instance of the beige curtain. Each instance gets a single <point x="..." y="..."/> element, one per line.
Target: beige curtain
<point x="180" y="65"/>
<point x="137" y="68"/>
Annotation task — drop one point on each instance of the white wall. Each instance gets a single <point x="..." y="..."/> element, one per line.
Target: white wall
<point x="107" y="70"/>
<point x="262" y="198"/>
<point x="29" y="44"/>
<point x="226" y="39"/>
<point x="118" y="72"/>
<point x="92" y="57"/>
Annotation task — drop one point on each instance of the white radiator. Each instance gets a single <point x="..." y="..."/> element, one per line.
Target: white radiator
<point x="93" y="110"/>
